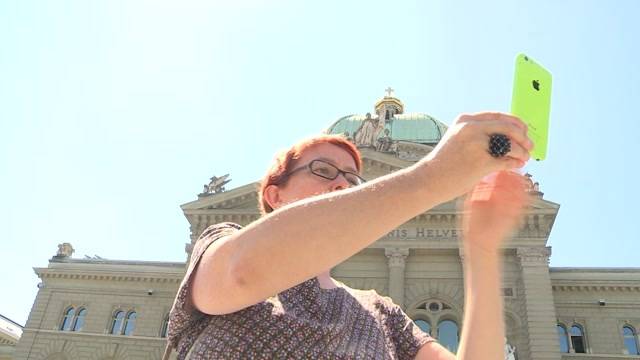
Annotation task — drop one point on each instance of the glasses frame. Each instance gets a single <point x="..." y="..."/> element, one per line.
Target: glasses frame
<point x="340" y="171"/>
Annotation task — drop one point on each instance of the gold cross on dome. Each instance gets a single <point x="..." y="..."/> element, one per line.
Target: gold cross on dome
<point x="389" y="91"/>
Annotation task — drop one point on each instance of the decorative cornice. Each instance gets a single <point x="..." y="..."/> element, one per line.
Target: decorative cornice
<point x="168" y="277"/>
<point x="206" y="215"/>
<point x="372" y="165"/>
<point x="618" y="271"/>
<point x="438" y="218"/>
<point x="596" y="287"/>
<point x="596" y="356"/>
<point x="82" y="334"/>
<point x="4" y="341"/>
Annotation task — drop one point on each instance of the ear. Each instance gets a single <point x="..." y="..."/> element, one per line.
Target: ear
<point x="272" y="196"/>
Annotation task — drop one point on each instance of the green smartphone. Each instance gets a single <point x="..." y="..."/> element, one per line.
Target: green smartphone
<point x="531" y="102"/>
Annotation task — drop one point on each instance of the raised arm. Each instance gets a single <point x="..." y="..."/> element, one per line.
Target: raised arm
<point x="491" y="214"/>
<point x="302" y="239"/>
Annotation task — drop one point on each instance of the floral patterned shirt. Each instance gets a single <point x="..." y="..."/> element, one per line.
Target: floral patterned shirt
<point x="303" y="322"/>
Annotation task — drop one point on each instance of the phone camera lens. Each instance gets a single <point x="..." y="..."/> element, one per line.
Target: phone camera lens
<point x="526" y="58"/>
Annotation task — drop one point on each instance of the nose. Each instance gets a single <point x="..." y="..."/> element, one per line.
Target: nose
<point x="340" y="183"/>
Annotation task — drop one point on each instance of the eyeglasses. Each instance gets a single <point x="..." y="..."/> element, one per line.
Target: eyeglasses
<point x="328" y="171"/>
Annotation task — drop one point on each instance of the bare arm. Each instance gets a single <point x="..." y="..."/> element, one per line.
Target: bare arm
<point x="302" y="239"/>
<point x="483" y="330"/>
<point x="434" y="351"/>
<point x="483" y="325"/>
<point x="489" y="218"/>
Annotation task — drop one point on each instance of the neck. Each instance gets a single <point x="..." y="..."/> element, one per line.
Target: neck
<point x="325" y="280"/>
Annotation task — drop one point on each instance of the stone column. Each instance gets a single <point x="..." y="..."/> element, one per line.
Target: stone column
<point x="539" y="310"/>
<point x="397" y="258"/>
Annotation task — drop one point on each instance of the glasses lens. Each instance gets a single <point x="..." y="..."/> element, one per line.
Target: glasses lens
<point x="352" y="179"/>
<point x="324" y="169"/>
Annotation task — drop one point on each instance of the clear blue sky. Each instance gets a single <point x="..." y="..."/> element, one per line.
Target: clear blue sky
<point x="113" y="113"/>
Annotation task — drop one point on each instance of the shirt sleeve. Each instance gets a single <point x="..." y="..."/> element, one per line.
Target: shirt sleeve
<point x="182" y="314"/>
<point x="407" y="337"/>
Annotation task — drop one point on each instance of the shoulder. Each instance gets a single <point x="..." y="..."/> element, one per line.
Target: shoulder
<point x="183" y="315"/>
<point x="213" y="233"/>
<point x="220" y="229"/>
<point x="372" y="299"/>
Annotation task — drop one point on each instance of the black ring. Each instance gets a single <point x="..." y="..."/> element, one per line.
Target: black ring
<point x="499" y="145"/>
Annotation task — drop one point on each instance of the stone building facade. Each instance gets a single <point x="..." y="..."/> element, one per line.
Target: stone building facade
<point x="10" y="332"/>
<point x="550" y="313"/>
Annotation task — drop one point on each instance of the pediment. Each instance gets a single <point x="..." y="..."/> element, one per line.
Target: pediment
<point x="246" y="196"/>
<point x="542" y="204"/>
<point x="243" y="197"/>
<point x="375" y="164"/>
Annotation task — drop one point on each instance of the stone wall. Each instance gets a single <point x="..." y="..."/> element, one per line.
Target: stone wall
<point x="101" y="288"/>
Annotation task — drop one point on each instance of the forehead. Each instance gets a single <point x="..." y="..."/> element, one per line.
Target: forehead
<point x="330" y="153"/>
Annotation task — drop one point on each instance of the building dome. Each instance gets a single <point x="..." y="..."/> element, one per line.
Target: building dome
<point x="389" y="126"/>
<point x="414" y="127"/>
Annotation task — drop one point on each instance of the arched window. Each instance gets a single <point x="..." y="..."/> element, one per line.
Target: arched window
<point x="564" y="340"/>
<point x="630" y="340"/>
<point x="577" y="339"/>
<point x="79" y="321"/>
<point x="165" y="326"/>
<point x="116" y="322"/>
<point x="130" y="323"/>
<point x="424" y="325"/>
<point x="448" y="335"/>
<point x="65" y="324"/>
<point x="386" y="116"/>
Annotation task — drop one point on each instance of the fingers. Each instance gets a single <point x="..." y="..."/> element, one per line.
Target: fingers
<point x="514" y="132"/>
<point x="518" y="152"/>
<point x="494" y="115"/>
<point x="504" y="187"/>
<point x="509" y="163"/>
<point x="501" y="123"/>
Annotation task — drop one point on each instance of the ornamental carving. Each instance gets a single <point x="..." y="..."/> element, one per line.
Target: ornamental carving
<point x="534" y="255"/>
<point x="533" y="187"/>
<point x="216" y="185"/>
<point x="367" y="133"/>
<point x="65" y="250"/>
<point x="396" y="256"/>
<point x="509" y="351"/>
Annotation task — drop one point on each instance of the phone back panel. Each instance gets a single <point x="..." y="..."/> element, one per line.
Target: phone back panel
<point x="531" y="102"/>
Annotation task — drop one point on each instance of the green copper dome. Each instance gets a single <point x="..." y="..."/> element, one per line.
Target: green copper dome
<point x="416" y="127"/>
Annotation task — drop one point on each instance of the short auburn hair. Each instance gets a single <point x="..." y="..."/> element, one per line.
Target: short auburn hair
<point x="283" y="162"/>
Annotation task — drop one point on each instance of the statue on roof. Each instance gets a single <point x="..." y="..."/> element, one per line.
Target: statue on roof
<point x="347" y="136"/>
<point x="385" y="142"/>
<point x="216" y="185"/>
<point x="529" y="181"/>
<point x="368" y="132"/>
<point x="509" y="350"/>
<point x="533" y="187"/>
<point x="65" y="250"/>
